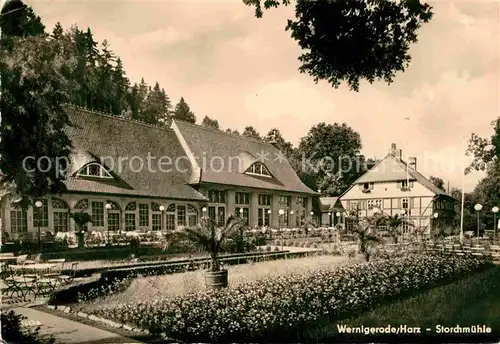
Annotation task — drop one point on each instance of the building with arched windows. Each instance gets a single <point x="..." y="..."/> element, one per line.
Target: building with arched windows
<point x="133" y="176"/>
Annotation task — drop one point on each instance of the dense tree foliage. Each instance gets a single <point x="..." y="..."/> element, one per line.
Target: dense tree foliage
<point x="438" y="182"/>
<point x="34" y="68"/>
<point x="251" y="132"/>
<point x="182" y="112"/>
<point x="274" y="136"/>
<point x="484" y="150"/>
<point x="332" y="153"/>
<point x="486" y="154"/>
<point x="212" y="123"/>
<point x="349" y="41"/>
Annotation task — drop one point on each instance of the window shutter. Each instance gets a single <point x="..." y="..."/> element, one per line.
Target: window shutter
<point x="412" y="202"/>
<point x="371" y="186"/>
<point x="399" y="203"/>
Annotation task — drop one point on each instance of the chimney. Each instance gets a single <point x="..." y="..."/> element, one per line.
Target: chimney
<point x="412" y="162"/>
<point x="400" y="154"/>
<point x="393" y="150"/>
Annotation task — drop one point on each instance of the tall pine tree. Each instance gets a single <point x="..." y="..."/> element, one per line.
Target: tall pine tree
<point x="182" y="112"/>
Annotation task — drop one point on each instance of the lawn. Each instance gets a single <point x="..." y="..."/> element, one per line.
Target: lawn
<point x="162" y="287"/>
<point x="471" y="301"/>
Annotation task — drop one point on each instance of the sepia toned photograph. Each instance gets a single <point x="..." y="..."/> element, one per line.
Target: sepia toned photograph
<point x="249" y="171"/>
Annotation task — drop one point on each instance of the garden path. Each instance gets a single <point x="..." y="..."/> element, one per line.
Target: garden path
<point x="68" y="331"/>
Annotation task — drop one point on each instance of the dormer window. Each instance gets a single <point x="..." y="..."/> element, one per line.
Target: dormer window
<point x="94" y="170"/>
<point x="405" y="185"/>
<point x="366" y="187"/>
<point x="259" y="169"/>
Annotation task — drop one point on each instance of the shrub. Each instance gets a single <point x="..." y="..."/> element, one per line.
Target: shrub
<point x="13" y="330"/>
<point x="257" y="310"/>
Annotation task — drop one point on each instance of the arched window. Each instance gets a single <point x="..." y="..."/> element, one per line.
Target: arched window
<point x="18" y="219"/>
<point x="41" y="215"/>
<point x="113" y="215"/>
<point x="114" y="205"/>
<point x="156" y="216"/>
<point x="82" y="204"/>
<point x="170" y="223"/>
<point x="259" y="169"/>
<point x="94" y="170"/>
<point x="192" y="214"/>
<point x="181" y="215"/>
<point x="60" y="211"/>
<point x="130" y="216"/>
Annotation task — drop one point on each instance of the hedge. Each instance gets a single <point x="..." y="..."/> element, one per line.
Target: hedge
<point x="276" y="307"/>
<point x="114" y="280"/>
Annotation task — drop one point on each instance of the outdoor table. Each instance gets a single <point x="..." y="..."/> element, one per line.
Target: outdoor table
<point x="8" y="259"/>
<point x="33" y="267"/>
<point x="61" y="260"/>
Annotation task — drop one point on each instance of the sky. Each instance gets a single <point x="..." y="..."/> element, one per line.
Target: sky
<point x="243" y="71"/>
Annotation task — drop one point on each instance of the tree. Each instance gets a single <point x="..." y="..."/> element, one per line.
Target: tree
<point x="17" y="20"/>
<point x="438" y="182"/>
<point x="251" y="132"/>
<point x="34" y="146"/>
<point x="121" y="86"/>
<point x="353" y="40"/>
<point x="487" y="193"/>
<point x="331" y="153"/>
<point x="486" y="154"/>
<point x="182" y="112"/>
<point x="158" y="107"/>
<point x="211" y="123"/>
<point x="483" y="150"/>
<point x="470" y="220"/>
<point x="274" y="136"/>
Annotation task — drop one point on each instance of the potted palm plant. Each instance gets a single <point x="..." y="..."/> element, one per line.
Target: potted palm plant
<point x="394" y="224"/>
<point x="209" y="237"/>
<point x="366" y="232"/>
<point x="81" y="220"/>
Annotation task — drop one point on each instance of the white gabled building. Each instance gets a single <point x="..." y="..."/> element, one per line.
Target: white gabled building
<point x="396" y="187"/>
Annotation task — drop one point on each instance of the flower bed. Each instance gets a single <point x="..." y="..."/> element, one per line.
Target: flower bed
<point x="278" y="306"/>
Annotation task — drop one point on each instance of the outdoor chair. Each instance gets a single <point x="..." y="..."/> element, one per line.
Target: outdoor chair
<point x="67" y="279"/>
<point x="47" y="282"/>
<point x="10" y="288"/>
<point x="56" y="271"/>
<point x="21" y="284"/>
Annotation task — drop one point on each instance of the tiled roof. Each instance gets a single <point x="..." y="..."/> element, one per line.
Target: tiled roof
<point x="392" y="168"/>
<point x="328" y="203"/>
<point x="108" y="139"/>
<point x="223" y="157"/>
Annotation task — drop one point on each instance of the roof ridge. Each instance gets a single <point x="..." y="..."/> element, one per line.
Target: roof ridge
<point x="241" y="137"/>
<point x="107" y="115"/>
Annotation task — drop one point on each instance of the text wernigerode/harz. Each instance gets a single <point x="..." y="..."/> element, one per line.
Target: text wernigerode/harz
<point x="389" y="329"/>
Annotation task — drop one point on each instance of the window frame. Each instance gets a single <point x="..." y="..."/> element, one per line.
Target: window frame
<point x="85" y="171"/>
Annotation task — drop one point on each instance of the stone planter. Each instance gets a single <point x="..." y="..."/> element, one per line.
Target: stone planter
<point x="216" y="280"/>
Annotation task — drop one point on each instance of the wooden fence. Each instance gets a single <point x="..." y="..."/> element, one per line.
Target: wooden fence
<point x="492" y="251"/>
